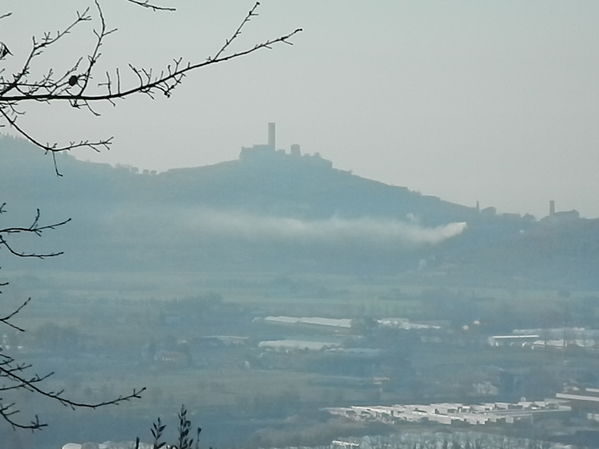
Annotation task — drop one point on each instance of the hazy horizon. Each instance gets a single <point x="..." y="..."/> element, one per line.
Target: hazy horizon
<point x="493" y="102"/>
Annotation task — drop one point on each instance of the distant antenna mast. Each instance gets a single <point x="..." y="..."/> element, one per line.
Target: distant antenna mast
<point x="272" y="135"/>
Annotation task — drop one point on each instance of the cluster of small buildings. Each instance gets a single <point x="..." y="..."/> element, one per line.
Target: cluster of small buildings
<point x="553" y="338"/>
<point x="337" y="326"/>
<point x="343" y="323"/>
<point x="454" y="413"/>
<point x="346" y="323"/>
<point x="406" y="324"/>
<point x="585" y="400"/>
<point x="297" y="345"/>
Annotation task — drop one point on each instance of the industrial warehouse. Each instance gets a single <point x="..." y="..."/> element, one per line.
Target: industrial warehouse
<point x="455" y="413"/>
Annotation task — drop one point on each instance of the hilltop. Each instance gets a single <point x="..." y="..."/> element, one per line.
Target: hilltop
<point x="277" y="210"/>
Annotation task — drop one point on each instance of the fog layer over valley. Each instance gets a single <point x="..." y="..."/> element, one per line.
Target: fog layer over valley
<point x="334" y="230"/>
<point x="270" y="209"/>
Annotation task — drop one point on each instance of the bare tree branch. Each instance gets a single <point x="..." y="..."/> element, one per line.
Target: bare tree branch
<point x="74" y="85"/>
<point x="7" y="319"/>
<point x="54" y="147"/>
<point x="80" y="86"/>
<point x="13" y="374"/>
<point x="154" y="7"/>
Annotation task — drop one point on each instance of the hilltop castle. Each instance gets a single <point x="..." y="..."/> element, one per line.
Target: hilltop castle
<point x="267" y="153"/>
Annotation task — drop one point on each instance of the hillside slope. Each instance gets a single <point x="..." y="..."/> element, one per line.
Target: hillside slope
<point x="269" y="210"/>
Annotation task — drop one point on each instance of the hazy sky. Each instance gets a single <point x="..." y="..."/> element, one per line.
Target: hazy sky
<point x="489" y="100"/>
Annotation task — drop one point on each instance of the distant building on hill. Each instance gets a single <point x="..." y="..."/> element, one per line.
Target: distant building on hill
<point x="564" y="215"/>
<point x="581" y="398"/>
<point x="268" y="154"/>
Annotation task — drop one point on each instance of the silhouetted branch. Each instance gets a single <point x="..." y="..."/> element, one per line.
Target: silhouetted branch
<point x="13" y="373"/>
<point x="34" y="228"/>
<point x="6" y="319"/>
<point x="54" y="147"/>
<point x="184" y="439"/>
<point x="74" y="85"/>
<point x="78" y="85"/>
<point x="154" y="7"/>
